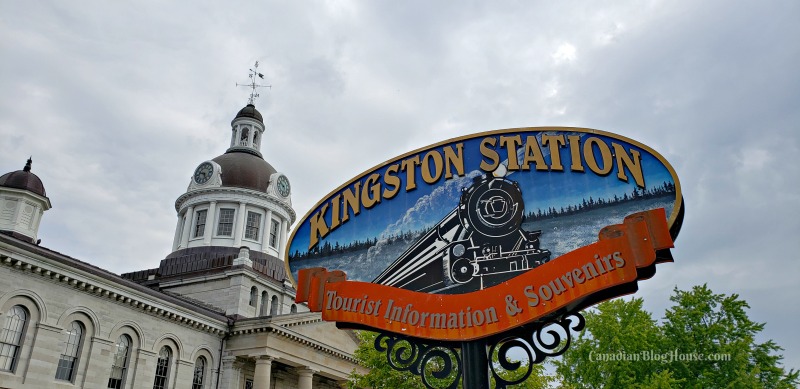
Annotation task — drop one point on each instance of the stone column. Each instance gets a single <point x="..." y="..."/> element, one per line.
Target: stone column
<point x="184" y="374"/>
<point x="211" y="216"/>
<point x="234" y="136"/>
<point x="263" y="373"/>
<point x="98" y="366"/>
<point x="178" y="233"/>
<point x="187" y="227"/>
<point x="39" y="369"/>
<point x="144" y="363"/>
<point x="282" y="238"/>
<point x="238" y="228"/>
<point x="231" y="371"/>
<point x="305" y="377"/>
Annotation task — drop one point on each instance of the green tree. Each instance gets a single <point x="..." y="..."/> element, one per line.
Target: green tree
<point x="381" y="375"/>
<point x="704" y="324"/>
<point x="622" y="346"/>
<point x="538" y="379"/>
<point x="605" y="353"/>
<point x="660" y="380"/>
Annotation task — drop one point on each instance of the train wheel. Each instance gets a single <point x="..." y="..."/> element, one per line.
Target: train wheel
<point x="462" y="271"/>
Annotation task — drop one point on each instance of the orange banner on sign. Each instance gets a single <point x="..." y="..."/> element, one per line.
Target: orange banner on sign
<point x="611" y="261"/>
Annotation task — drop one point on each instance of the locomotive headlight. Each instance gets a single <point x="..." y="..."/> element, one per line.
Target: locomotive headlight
<point x="459" y="250"/>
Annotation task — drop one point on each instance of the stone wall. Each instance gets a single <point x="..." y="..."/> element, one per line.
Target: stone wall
<point x="230" y="292"/>
<point x="53" y="303"/>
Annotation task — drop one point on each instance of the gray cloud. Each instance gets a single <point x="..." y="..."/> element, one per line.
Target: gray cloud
<point x="118" y="103"/>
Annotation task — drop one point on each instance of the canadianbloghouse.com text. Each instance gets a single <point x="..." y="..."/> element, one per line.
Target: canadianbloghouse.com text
<point x="659" y="356"/>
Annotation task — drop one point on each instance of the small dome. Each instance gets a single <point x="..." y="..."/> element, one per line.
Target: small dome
<point x="249" y="111"/>
<point x="245" y="170"/>
<point x="23" y="179"/>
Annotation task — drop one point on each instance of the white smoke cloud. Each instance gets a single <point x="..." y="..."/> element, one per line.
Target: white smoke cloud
<point x="426" y="212"/>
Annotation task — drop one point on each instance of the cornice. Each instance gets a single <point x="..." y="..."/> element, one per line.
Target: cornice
<point x="248" y="120"/>
<point x="270" y="327"/>
<point x="265" y="200"/>
<point x="104" y="289"/>
<point x="27" y="195"/>
<point x="245" y="271"/>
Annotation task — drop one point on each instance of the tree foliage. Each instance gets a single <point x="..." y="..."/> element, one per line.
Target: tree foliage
<point x="381" y="375"/>
<point x="617" y="325"/>
<point x="705" y="340"/>
<point x="701" y="322"/>
<point x="538" y="379"/>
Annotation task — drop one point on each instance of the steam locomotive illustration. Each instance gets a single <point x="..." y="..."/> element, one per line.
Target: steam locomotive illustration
<point x="478" y="244"/>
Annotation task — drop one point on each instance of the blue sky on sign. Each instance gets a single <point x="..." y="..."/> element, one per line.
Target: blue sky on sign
<point x="118" y="102"/>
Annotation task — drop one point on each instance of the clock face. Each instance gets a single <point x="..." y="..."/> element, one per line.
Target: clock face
<point x="203" y="173"/>
<point x="283" y="186"/>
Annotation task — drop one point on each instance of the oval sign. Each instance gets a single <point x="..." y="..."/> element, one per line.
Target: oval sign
<point x="473" y="212"/>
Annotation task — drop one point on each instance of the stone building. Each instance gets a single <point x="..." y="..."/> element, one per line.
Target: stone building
<point x="217" y="312"/>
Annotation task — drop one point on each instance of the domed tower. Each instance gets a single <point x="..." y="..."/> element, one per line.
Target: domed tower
<point x="236" y="199"/>
<point x="22" y="203"/>
<point x="233" y="224"/>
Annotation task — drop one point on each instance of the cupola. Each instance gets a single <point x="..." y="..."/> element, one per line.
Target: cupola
<point x="247" y="129"/>
<point x="22" y="203"/>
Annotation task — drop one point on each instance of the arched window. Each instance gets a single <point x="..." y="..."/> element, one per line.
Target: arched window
<point x="264" y="304"/>
<point x="245" y="135"/>
<point x="120" y="363"/>
<point x="274" y="308"/>
<point x="293" y="309"/>
<point x="255" y="139"/>
<point x="199" y="373"/>
<point x="162" y="368"/>
<point x="68" y="362"/>
<point x="11" y="337"/>
<point x="253" y="296"/>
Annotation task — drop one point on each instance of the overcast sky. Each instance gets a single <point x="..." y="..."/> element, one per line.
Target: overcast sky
<point x="118" y="103"/>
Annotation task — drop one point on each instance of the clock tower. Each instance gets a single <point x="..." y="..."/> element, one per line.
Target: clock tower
<point x="236" y="200"/>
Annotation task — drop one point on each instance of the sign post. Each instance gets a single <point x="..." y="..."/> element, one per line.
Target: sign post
<point x="476" y="364"/>
<point x="495" y="240"/>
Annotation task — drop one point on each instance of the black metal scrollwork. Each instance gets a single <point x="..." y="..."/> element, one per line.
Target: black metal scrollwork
<point x="439" y="366"/>
<point x="549" y="339"/>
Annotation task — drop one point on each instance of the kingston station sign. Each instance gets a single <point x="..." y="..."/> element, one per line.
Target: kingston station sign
<point x="475" y="236"/>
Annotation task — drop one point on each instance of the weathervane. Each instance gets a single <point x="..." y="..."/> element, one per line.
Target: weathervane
<point x="253" y="74"/>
